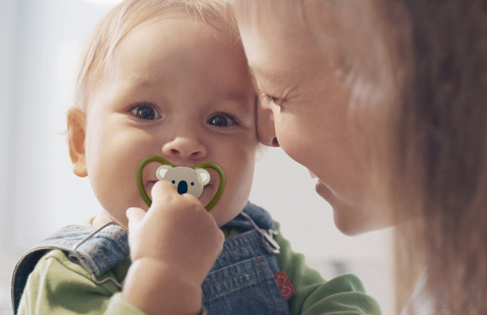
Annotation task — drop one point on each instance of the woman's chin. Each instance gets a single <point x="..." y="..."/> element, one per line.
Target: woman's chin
<point x="344" y="216"/>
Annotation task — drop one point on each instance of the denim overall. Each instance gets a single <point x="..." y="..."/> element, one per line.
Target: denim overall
<point x="241" y="281"/>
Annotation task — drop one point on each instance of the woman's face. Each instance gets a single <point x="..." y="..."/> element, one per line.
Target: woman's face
<point x="305" y="105"/>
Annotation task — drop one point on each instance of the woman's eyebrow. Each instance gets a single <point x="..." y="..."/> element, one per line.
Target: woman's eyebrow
<point x="265" y="76"/>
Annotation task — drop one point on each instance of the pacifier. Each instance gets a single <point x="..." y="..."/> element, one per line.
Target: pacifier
<point x="190" y="180"/>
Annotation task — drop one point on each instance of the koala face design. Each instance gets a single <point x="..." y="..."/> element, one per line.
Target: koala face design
<point x="186" y="180"/>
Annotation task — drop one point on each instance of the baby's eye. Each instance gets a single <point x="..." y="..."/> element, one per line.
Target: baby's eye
<point x="222" y="120"/>
<point x="145" y="112"/>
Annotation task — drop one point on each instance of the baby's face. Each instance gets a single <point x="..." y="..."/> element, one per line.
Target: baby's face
<point x="179" y="89"/>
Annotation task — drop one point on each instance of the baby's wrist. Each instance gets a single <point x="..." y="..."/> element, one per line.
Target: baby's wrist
<point x="152" y="286"/>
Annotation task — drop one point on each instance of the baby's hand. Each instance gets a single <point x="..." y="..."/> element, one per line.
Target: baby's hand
<point x="173" y="247"/>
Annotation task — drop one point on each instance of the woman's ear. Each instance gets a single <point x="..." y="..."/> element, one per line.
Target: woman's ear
<point x="266" y="131"/>
<point x="76" y="140"/>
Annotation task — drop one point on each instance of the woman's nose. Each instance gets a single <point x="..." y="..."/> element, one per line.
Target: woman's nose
<point x="184" y="148"/>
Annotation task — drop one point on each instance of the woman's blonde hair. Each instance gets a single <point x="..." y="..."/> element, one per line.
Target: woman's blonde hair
<point x="99" y="48"/>
<point x="439" y="173"/>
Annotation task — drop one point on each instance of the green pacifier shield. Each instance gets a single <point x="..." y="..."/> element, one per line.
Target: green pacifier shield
<point x="156" y="158"/>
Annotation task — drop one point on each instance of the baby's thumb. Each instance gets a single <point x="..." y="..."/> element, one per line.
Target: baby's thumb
<point x="135" y="215"/>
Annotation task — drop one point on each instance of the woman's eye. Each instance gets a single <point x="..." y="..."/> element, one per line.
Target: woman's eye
<point x="222" y="120"/>
<point x="270" y="98"/>
<point x="145" y="112"/>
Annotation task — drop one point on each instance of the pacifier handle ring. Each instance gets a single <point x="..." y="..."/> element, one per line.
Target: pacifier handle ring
<point x="219" y="192"/>
<point x="140" y="184"/>
<point x="160" y="159"/>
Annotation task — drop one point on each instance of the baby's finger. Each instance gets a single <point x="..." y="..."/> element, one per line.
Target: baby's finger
<point x="163" y="189"/>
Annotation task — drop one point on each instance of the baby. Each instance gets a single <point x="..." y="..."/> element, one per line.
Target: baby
<point x="170" y="78"/>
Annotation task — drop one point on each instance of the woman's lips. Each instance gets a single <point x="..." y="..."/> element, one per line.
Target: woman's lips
<point x="320" y="187"/>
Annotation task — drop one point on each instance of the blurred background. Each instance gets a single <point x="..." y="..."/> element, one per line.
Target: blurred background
<point x="39" y="45"/>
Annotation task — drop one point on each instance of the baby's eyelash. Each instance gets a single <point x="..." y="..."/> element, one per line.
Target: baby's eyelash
<point x="133" y="109"/>
<point x="229" y="116"/>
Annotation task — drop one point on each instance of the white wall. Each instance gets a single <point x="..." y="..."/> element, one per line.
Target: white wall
<point x="7" y="23"/>
<point x="39" y="43"/>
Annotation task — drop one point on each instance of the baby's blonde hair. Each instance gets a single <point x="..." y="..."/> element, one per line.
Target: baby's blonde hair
<point x="100" y="46"/>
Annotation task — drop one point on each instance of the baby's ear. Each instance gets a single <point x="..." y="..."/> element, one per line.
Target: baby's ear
<point x="76" y="140"/>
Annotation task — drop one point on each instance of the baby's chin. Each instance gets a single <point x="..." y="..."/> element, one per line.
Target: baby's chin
<point x="104" y="218"/>
<point x="223" y="213"/>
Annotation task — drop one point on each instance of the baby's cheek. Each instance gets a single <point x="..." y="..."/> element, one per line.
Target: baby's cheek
<point x="113" y="187"/>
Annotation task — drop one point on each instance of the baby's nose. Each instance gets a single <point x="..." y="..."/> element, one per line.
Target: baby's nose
<point x="183" y="148"/>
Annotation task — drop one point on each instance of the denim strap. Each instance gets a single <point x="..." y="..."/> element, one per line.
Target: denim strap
<point x="96" y="249"/>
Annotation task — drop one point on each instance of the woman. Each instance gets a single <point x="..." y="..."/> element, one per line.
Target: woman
<point x="385" y="101"/>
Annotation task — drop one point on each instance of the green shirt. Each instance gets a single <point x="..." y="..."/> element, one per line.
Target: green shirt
<point x="59" y="286"/>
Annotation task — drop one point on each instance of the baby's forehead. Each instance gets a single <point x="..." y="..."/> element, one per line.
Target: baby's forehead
<point x="154" y="55"/>
<point x="168" y="88"/>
